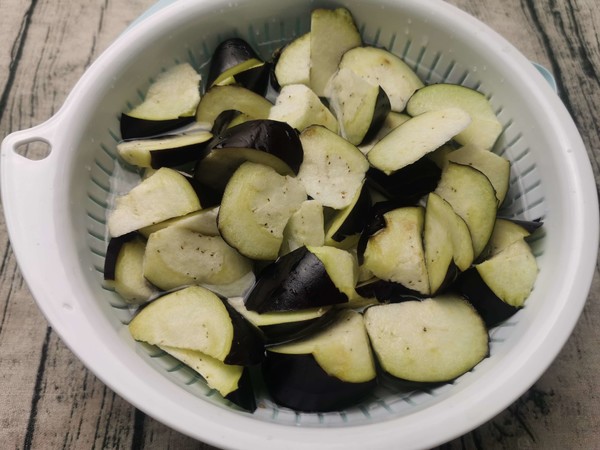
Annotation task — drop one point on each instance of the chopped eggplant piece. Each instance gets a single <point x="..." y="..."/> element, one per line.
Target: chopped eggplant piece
<point x="439" y="248"/>
<point x="195" y="318"/>
<point x="427" y="341"/>
<point x="293" y="62"/>
<point x="505" y="233"/>
<point x="333" y="170"/>
<point x="382" y="68"/>
<point x="331" y="370"/>
<point x="332" y="33"/>
<point x="164" y="195"/>
<point x="495" y="167"/>
<point x="395" y="253"/>
<point x="417" y="137"/>
<point x="281" y="327"/>
<point x="408" y="184"/>
<point x="203" y="221"/>
<point x="219" y="376"/>
<point x="168" y="151"/>
<point x="439" y="210"/>
<point x="267" y="142"/>
<point x="232" y="57"/>
<point x="256" y="207"/>
<point x="360" y="107"/>
<point x="136" y="128"/>
<point x="305" y="227"/>
<point x="178" y="256"/>
<point x="127" y="272"/>
<point x="302" y="279"/>
<point x="473" y="198"/>
<point x="112" y="253"/>
<point x="345" y="227"/>
<point x="300" y="107"/>
<point x="170" y="102"/>
<point x="499" y="286"/>
<point x="392" y="121"/>
<point x="386" y="291"/>
<point x="485" y="126"/>
<point x="231" y="97"/>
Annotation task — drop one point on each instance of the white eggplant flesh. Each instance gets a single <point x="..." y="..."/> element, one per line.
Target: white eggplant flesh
<point x="174" y="93"/>
<point x="493" y="166"/>
<point x="332" y="33"/>
<point x="395" y="253"/>
<point x="473" y="198"/>
<point x="192" y="318"/>
<point x="162" y="196"/>
<point x="255" y="209"/>
<point x="178" y="256"/>
<point x="428" y="341"/>
<point x="485" y="127"/>
<point x="300" y="107"/>
<point x="333" y="170"/>
<point x="293" y="64"/>
<point x="379" y="67"/>
<point x="222" y="377"/>
<point x="417" y="137"/>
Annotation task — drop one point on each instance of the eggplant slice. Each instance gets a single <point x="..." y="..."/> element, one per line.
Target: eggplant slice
<point x="329" y="371"/>
<point x="427" y="341"/>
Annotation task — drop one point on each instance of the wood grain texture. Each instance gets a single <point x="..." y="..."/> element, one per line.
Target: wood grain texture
<point x="49" y="400"/>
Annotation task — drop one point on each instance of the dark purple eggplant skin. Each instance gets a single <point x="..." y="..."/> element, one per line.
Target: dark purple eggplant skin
<point x="135" y="128"/>
<point x="228" y="54"/>
<point x="356" y="221"/>
<point x="112" y="253"/>
<point x="244" y="396"/>
<point x="287" y="332"/>
<point x="223" y="120"/>
<point x="299" y="383"/>
<point x="178" y="156"/>
<point x="408" y="184"/>
<point x="382" y="109"/>
<point x="271" y="136"/>
<point x="248" y="344"/>
<point x="489" y="306"/>
<point x="297" y="280"/>
<point x="256" y="79"/>
<point x="207" y="195"/>
<point x="387" y="291"/>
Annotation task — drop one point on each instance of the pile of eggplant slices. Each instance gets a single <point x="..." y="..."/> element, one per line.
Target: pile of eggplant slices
<point x="308" y="226"/>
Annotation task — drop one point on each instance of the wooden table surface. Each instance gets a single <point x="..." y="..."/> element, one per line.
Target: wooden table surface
<point x="48" y="400"/>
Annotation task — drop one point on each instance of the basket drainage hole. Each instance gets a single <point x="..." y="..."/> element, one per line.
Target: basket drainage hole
<point x="34" y="150"/>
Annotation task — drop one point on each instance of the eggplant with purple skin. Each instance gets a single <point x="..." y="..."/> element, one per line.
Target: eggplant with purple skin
<point x="408" y="184"/>
<point x="499" y="286"/>
<point x="267" y="142"/>
<point x="166" y="151"/>
<point x="197" y="319"/>
<point x="360" y="107"/>
<point x="235" y="61"/>
<point x="231" y="381"/>
<point x="345" y="227"/>
<point x="395" y="252"/>
<point x="170" y="103"/>
<point x="124" y="269"/>
<point x="280" y="327"/>
<point x="307" y="277"/>
<point x="231" y="97"/>
<point x="427" y="341"/>
<point x="329" y="371"/>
